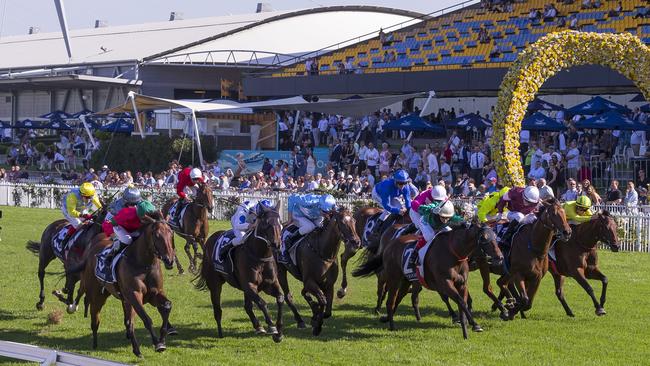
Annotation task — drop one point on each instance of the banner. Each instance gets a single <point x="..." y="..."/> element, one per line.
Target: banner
<point x="251" y="161"/>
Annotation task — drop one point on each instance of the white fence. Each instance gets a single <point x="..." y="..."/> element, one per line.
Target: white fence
<point x="633" y="222"/>
<point x="47" y="357"/>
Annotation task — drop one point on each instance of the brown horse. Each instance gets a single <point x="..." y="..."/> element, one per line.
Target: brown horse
<point x="361" y="216"/>
<point x="255" y="271"/>
<point x="445" y="269"/>
<point x="194" y="228"/>
<point x="528" y="256"/>
<point x="318" y="267"/>
<point x="74" y="257"/>
<point x="139" y="280"/>
<point x="577" y="258"/>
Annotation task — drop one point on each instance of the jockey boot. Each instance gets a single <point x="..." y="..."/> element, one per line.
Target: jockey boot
<point x="384" y="225"/>
<point x="179" y="208"/>
<point x="68" y="236"/>
<point x="510" y="231"/>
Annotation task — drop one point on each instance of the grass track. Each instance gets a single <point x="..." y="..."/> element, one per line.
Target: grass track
<point x="352" y="336"/>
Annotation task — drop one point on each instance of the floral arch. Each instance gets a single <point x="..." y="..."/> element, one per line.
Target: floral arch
<point x="624" y="53"/>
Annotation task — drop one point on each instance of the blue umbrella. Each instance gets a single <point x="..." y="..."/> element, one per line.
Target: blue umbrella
<point x="541" y="105"/>
<point x="28" y="124"/>
<point x="119" y="126"/>
<point x="468" y="121"/>
<point x="58" y="114"/>
<point x="540" y="122"/>
<point x="5" y="124"/>
<point x="413" y="122"/>
<point x="57" y="125"/>
<point x="612" y="121"/>
<point x="638" y="98"/>
<point x="645" y="108"/>
<point x="121" y="115"/>
<point x="82" y="112"/>
<point x="93" y="125"/>
<point x="597" y="105"/>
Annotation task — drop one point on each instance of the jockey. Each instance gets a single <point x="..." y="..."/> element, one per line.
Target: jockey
<point x="306" y="211"/>
<point x="436" y="195"/>
<point x="487" y="207"/>
<point x="187" y="179"/>
<point x="546" y="192"/>
<point x="439" y="217"/>
<point x="245" y="216"/>
<point x="386" y="193"/>
<point x="130" y="197"/>
<point x="122" y="225"/>
<point x="578" y="211"/>
<point x="78" y="203"/>
<point x="522" y="203"/>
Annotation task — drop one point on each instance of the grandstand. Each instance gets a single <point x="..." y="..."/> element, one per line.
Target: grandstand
<point x="452" y="41"/>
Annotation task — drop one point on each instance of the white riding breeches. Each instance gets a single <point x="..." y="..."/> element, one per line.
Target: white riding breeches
<point x="122" y="235"/>
<point x="238" y="228"/>
<point x="521" y="218"/>
<point x="427" y="231"/>
<point x="239" y="236"/>
<point x="305" y="225"/>
<point x="74" y="221"/>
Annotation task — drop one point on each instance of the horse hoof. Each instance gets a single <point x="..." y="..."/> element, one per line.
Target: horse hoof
<point x="477" y="328"/>
<point x="383" y="319"/>
<point x="260" y="330"/>
<point x="455" y="320"/>
<point x="273" y="330"/>
<point x="600" y="312"/>
<point x="570" y="315"/>
<point x="377" y="311"/>
<point x="341" y="293"/>
<point x="181" y="272"/>
<point x="39" y="306"/>
<point x="277" y="338"/>
<point x="71" y="309"/>
<point x="172" y="331"/>
<point x="327" y="315"/>
<point x="138" y="355"/>
<point x="301" y="325"/>
<point x="160" y="347"/>
<point x="317" y="330"/>
<point x="504" y="316"/>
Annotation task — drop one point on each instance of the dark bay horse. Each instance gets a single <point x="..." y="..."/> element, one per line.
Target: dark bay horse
<point x="445" y="267"/>
<point x="577" y="258"/>
<point x="318" y="267"/>
<point x="195" y="228"/>
<point x="361" y="216"/>
<point x="139" y="280"/>
<point x="255" y="272"/>
<point x="528" y="256"/>
<point x="74" y="257"/>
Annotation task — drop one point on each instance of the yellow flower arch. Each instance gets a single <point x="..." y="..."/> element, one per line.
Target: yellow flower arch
<point x="624" y="53"/>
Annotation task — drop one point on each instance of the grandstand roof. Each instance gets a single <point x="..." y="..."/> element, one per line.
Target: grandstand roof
<point x="136" y="42"/>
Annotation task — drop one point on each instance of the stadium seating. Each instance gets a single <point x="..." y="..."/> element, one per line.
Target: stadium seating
<point x="451" y="41"/>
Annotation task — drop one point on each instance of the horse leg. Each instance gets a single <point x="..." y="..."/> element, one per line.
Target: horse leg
<point x="248" y="306"/>
<point x="215" y="298"/>
<point x="558" y="279"/>
<point x="97" y="301"/>
<point x="454" y="317"/>
<point x="261" y="304"/>
<point x="582" y="281"/>
<point x="345" y="257"/>
<point x="129" y="317"/>
<point x="135" y="299"/>
<point x="415" y="300"/>
<point x="487" y="289"/>
<point x="596" y="274"/>
<point x="70" y="283"/>
<point x="178" y="265"/>
<point x="192" y="267"/>
<point x="449" y="288"/>
<point x="330" y="282"/>
<point x="164" y="306"/>
<point x="318" y="307"/>
<point x="43" y="262"/>
<point x="284" y="284"/>
<point x="391" y="303"/>
<point x="276" y="291"/>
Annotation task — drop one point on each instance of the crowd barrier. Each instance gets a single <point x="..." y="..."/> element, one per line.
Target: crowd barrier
<point x="633" y="222"/>
<point x="46" y="357"/>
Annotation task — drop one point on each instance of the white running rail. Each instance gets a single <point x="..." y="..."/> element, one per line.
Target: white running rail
<point x="46" y="357"/>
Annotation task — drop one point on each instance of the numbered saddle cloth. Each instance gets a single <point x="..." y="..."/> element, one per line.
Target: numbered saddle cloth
<point x="106" y="265"/>
<point x="59" y="247"/>
<point x="173" y="222"/>
<point x="288" y="255"/>
<point x="369" y="228"/>
<point x="222" y="259"/>
<point x="409" y="262"/>
<point x="405" y="230"/>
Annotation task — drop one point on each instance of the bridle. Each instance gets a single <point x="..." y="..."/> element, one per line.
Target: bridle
<point x="481" y="243"/>
<point x="339" y="216"/>
<point x="255" y="234"/>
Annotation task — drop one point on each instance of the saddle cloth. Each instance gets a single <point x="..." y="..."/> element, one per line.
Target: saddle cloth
<point x="405" y="230"/>
<point x="369" y="228"/>
<point x="172" y="215"/>
<point x="409" y="266"/>
<point x="423" y="249"/>
<point x="223" y="261"/>
<point x="106" y="271"/>
<point x="57" y="241"/>
<point x="506" y="248"/>
<point x="289" y="256"/>
<point x="552" y="258"/>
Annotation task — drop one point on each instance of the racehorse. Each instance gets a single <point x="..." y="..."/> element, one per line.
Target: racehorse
<point x="254" y="268"/>
<point x="318" y="267"/>
<point x="194" y="226"/>
<point x="528" y="255"/>
<point x="139" y="280"/>
<point x="361" y="216"/>
<point x="73" y="258"/>
<point x="577" y="258"/>
<point x="445" y="268"/>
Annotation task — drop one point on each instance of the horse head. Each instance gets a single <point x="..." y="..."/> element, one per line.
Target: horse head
<point x="553" y="217"/>
<point x="487" y="244"/>
<point x="345" y="226"/>
<point x="607" y="230"/>
<point x="268" y="226"/>
<point x="160" y="238"/>
<point x="204" y="196"/>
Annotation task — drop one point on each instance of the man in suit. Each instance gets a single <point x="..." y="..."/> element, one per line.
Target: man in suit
<point x="336" y="155"/>
<point x="477" y="162"/>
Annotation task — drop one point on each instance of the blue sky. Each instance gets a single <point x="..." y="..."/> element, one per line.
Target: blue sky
<point x="16" y="16"/>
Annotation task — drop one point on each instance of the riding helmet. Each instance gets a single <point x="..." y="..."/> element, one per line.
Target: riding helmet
<point x="327" y="202"/>
<point x="87" y="189"/>
<point x="401" y="176"/>
<point x="531" y="194"/>
<point x="583" y="202"/>
<point x="447" y="210"/>
<point x="132" y="195"/>
<point x="438" y="193"/>
<point x="196" y="173"/>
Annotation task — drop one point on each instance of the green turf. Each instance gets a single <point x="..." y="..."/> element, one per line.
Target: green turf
<point x="352" y="336"/>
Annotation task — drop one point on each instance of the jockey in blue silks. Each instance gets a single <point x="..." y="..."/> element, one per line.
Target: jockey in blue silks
<point x="387" y="194"/>
<point x="307" y="210"/>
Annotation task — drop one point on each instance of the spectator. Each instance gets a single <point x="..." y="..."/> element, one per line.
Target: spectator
<point x="445" y="171"/>
<point x="573" y="160"/>
<point x="631" y="197"/>
<point x="571" y="194"/>
<point x="537" y="172"/>
<point x="614" y="195"/>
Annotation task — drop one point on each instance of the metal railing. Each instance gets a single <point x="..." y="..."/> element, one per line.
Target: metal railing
<point x="245" y="58"/>
<point x="46" y="357"/>
<point x="633" y="222"/>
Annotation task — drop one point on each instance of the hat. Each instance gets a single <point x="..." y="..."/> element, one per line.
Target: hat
<point x="105" y="167"/>
<point x="349" y="177"/>
<point x="493" y="180"/>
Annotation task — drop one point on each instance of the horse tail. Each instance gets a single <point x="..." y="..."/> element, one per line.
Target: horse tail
<point x="200" y="281"/>
<point x="370" y="266"/>
<point x="33" y="246"/>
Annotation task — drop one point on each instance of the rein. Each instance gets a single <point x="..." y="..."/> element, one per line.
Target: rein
<point x="266" y="241"/>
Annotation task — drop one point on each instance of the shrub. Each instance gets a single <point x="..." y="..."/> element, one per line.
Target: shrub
<point x="133" y="153"/>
